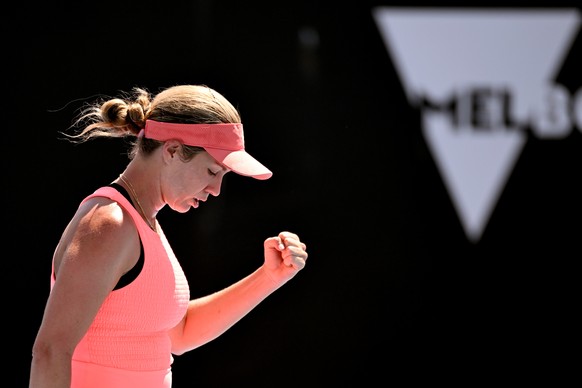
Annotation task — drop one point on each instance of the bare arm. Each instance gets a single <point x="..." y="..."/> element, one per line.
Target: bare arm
<point x="210" y="316"/>
<point x="98" y="246"/>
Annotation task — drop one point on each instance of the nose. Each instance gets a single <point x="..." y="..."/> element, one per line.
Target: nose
<point x="213" y="188"/>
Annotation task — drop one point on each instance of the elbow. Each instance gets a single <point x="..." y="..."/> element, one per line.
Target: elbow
<point x="179" y="350"/>
<point x="183" y="345"/>
<point x="50" y="353"/>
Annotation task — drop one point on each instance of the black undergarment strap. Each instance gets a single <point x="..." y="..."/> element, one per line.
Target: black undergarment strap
<point x="132" y="274"/>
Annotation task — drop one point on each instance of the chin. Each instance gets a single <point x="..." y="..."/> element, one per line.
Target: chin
<point x="181" y="209"/>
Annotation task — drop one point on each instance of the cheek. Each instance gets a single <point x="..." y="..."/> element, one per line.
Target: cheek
<point x="191" y="178"/>
<point x="191" y="183"/>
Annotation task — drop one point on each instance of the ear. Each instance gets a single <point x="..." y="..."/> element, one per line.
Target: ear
<point x="170" y="150"/>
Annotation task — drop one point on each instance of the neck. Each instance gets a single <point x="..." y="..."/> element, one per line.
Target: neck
<point x="137" y="204"/>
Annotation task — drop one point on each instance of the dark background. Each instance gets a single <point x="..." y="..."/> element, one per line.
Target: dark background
<point x="393" y="290"/>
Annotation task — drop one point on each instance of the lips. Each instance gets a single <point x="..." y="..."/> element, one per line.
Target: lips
<point x="196" y="202"/>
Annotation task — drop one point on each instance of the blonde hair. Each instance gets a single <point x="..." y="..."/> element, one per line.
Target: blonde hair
<point x="125" y="116"/>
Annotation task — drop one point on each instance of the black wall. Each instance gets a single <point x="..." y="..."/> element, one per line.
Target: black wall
<point x="393" y="289"/>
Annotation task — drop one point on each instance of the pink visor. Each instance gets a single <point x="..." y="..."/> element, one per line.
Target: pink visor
<point x="225" y="142"/>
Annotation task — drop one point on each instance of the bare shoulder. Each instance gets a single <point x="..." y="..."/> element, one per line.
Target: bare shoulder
<point x="101" y="238"/>
<point x="103" y="215"/>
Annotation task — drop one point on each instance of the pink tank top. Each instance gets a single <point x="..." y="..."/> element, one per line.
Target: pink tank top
<point x="127" y="345"/>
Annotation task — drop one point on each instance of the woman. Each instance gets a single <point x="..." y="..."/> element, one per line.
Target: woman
<point x="119" y="306"/>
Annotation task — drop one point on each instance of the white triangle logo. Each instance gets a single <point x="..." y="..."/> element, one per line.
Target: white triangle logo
<point x="485" y="74"/>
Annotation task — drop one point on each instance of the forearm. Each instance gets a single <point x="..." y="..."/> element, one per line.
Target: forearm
<point x="49" y="371"/>
<point x="210" y="316"/>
